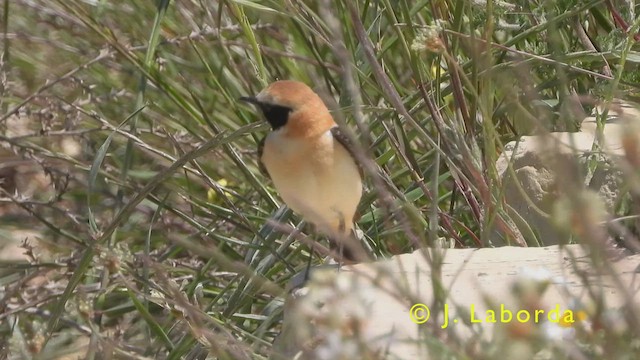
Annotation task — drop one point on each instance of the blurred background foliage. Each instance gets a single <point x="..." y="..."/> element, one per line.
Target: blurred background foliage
<point x="129" y="165"/>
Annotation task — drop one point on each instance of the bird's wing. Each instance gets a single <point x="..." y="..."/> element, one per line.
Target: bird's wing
<point x="261" y="166"/>
<point x="345" y="141"/>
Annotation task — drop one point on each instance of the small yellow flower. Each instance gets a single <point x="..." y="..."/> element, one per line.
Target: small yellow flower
<point x="212" y="194"/>
<point x="578" y="315"/>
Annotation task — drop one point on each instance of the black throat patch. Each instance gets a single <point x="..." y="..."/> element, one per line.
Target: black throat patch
<point x="276" y="115"/>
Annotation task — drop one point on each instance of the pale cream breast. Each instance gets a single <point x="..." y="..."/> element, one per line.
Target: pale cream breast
<point x="317" y="179"/>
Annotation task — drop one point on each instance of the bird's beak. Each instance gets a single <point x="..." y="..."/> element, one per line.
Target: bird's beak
<point x="250" y="100"/>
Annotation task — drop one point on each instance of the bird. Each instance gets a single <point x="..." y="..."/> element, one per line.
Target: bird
<point x="311" y="163"/>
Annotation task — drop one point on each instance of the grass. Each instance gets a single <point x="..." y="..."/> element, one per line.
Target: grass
<point x="155" y="227"/>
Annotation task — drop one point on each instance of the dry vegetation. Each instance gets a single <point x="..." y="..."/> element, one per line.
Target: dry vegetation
<point x="129" y="190"/>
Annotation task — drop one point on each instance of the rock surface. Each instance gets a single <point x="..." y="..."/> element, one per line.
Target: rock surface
<point x="540" y="162"/>
<point x="365" y="309"/>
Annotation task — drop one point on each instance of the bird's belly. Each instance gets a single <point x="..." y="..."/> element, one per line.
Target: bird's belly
<point x="324" y="193"/>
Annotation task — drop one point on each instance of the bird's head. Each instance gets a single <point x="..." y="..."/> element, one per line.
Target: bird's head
<point x="294" y="107"/>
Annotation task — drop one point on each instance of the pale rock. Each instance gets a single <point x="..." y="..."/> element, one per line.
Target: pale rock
<point x="539" y="162"/>
<point x="364" y="309"/>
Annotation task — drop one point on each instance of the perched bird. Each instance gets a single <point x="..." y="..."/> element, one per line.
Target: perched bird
<point x="310" y="162"/>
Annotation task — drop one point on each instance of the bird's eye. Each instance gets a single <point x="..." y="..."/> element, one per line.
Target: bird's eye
<point x="276" y="115"/>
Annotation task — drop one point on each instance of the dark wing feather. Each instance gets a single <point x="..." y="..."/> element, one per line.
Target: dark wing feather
<point x="345" y="141"/>
<point x="263" y="169"/>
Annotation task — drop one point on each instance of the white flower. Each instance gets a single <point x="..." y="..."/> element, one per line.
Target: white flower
<point x="336" y="347"/>
<point x="538" y="274"/>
